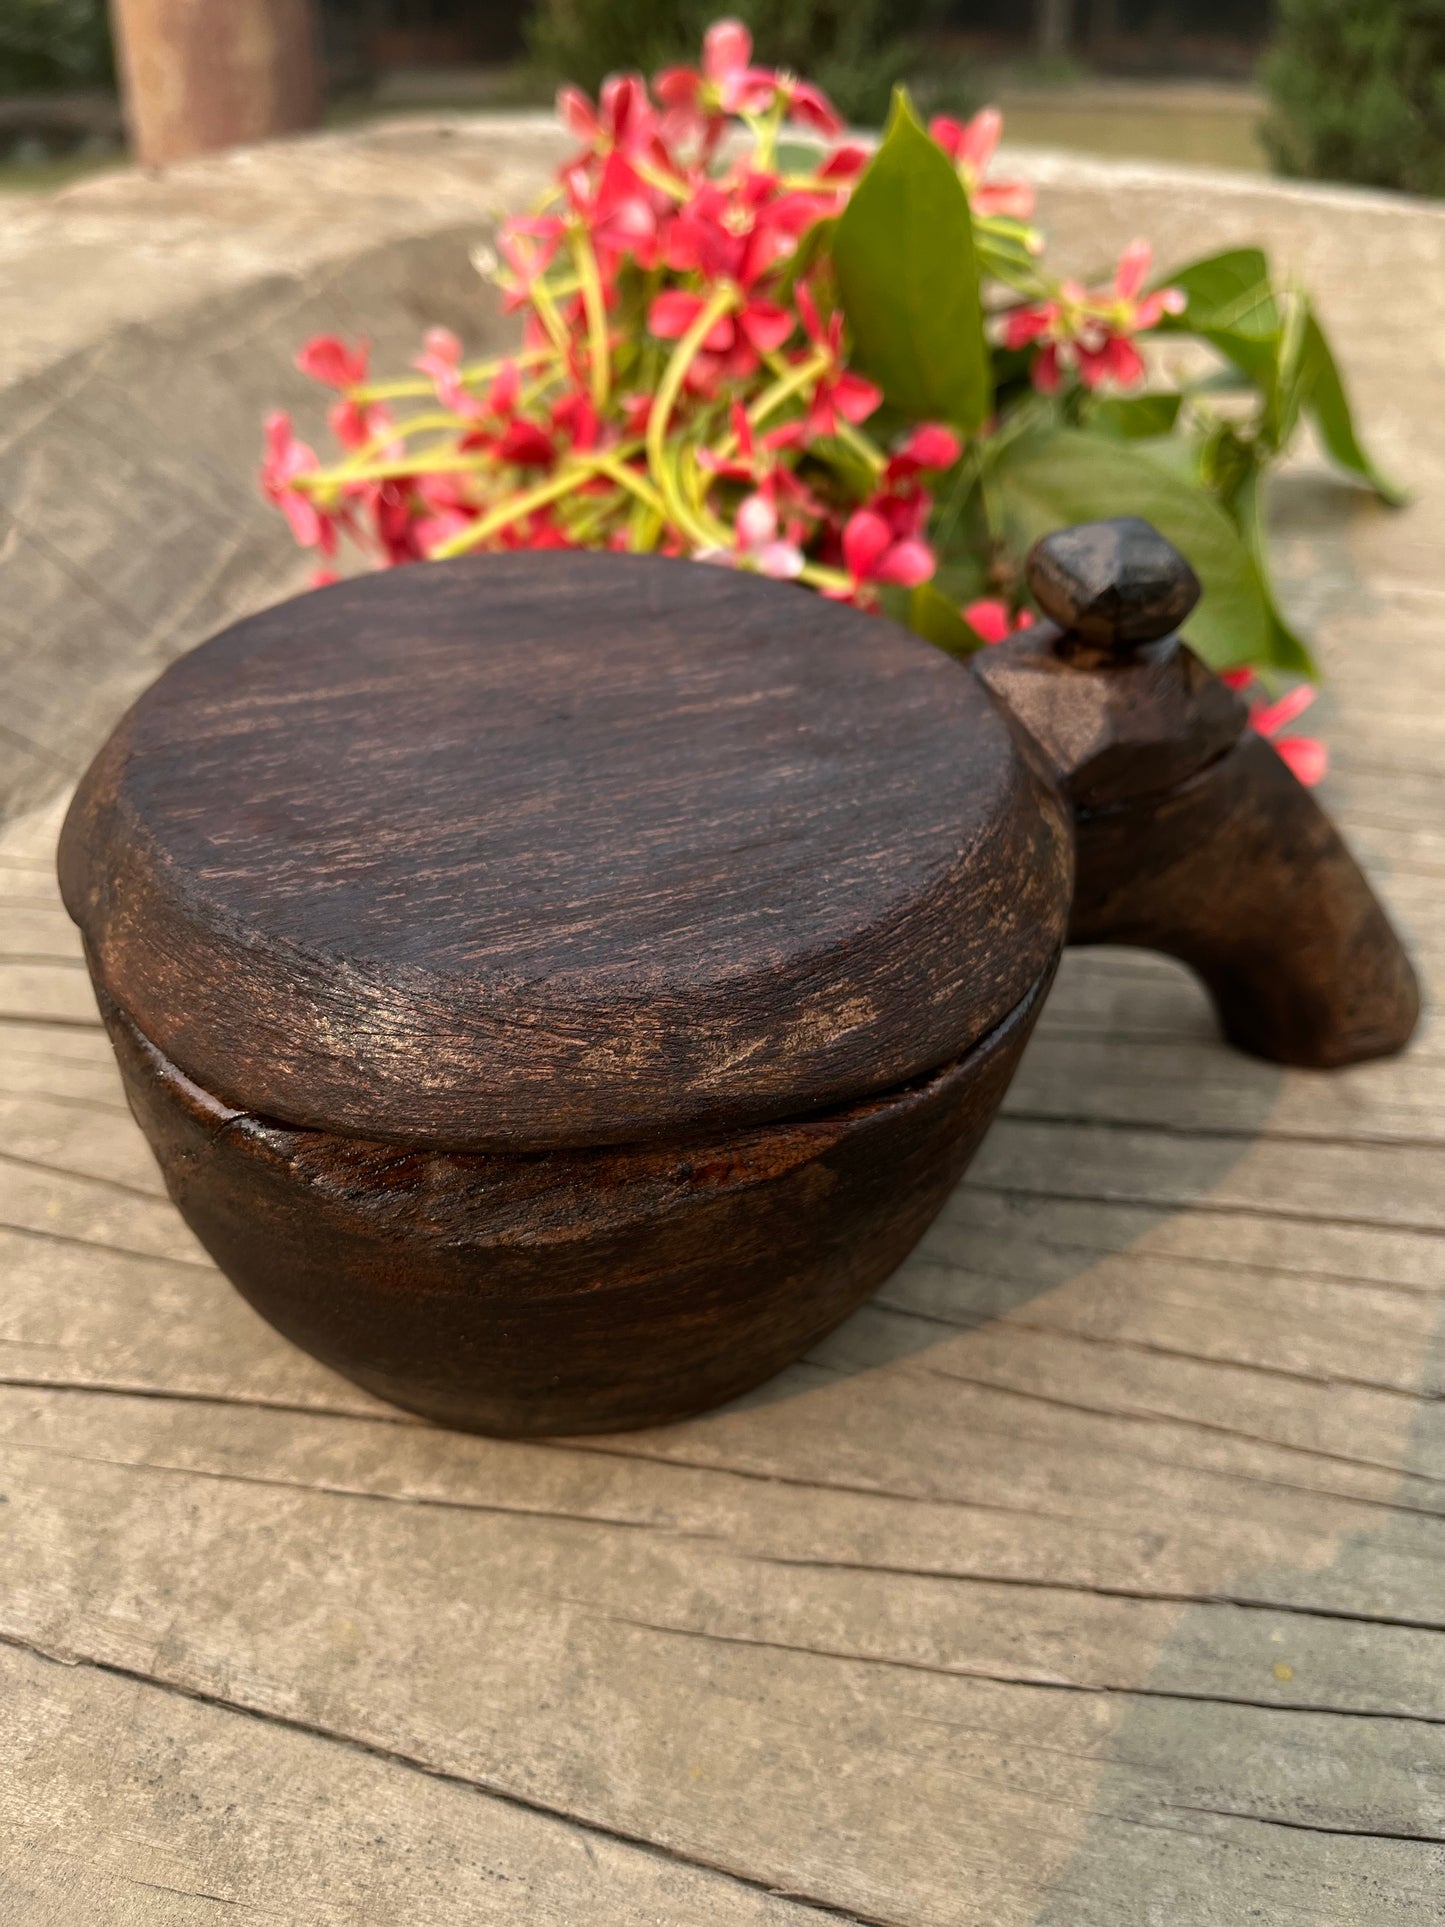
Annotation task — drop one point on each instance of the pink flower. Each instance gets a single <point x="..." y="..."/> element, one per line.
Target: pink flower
<point x="442" y="362"/>
<point x="730" y="84"/>
<point x="617" y="208"/>
<point x="839" y="392"/>
<point x="727" y="48"/>
<point x="1306" y="756"/>
<point x="844" y="163"/>
<point x="528" y="256"/>
<point x="810" y="107"/>
<point x="736" y="340"/>
<point x="930" y="445"/>
<point x="326" y="358"/>
<point x="285" y="460"/>
<point x="1091" y="333"/>
<point x="727" y="83"/>
<point x="623" y="118"/>
<point x="970" y="146"/>
<point x="737" y="229"/>
<point x="872" y="554"/>
<point x="355" y="423"/>
<point x="756" y="544"/>
<point x="989" y="618"/>
<point x="756" y="463"/>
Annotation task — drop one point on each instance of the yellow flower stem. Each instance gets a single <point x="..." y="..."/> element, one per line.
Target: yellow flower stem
<point x="659" y="177"/>
<point x="628" y="478"/>
<point x="472" y="372"/>
<point x="692" y="477"/>
<point x="765" y="129"/>
<point x="513" y="510"/>
<point x="548" y="316"/>
<point x="440" y="460"/>
<point x="817" y="577"/>
<point x="788" y="385"/>
<point x="599" y="355"/>
<point x="862" y="446"/>
<point x="663" y="402"/>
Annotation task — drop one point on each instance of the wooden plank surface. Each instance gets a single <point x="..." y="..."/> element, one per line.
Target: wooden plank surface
<point x="1093" y="1573"/>
<point x="1092" y="1576"/>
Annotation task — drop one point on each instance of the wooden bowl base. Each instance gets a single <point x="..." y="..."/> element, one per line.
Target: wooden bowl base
<point x="567" y="1291"/>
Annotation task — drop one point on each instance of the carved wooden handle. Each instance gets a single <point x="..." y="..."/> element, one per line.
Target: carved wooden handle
<point x="1193" y="837"/>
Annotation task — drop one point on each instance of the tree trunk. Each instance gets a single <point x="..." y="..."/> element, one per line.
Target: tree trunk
<point x="1053" y="29"/>
<point x="204" y="74"/>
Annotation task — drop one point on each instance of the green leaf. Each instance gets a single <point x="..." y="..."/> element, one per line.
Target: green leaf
<point x="816" y="242"/>
<point x="1329" y="406"/>
<point x="1231" y="305"/>
<point x="932" y="616"/>
<point x="1287" y="648"/>
<point x="1048" y="480"/>
<point x="1230" y="291"/>
<point x="1129" y="417"/>
<point x="908" y="279"/>
<point x="1227" y="294"/>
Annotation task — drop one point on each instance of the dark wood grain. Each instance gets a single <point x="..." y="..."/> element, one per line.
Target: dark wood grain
<point x="551" y="850"/>
<point x="1192" y="836"/>
<point x="1113" y="584"/>
<point x="1240" y="874"/>
<point x="572" y="1291"/>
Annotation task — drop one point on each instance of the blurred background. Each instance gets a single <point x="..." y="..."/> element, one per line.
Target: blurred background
<point x="1350" y="90"/>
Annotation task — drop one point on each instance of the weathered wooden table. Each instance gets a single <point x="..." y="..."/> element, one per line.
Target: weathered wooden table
<point x="1093" y="1576"/>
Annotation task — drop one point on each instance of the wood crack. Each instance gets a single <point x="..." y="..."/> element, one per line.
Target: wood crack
<point x="1095" y="1254"/>
<point x="84" y="1177"/>
<point x="1034" y="1682"/>
<point x="1215" y="1207"/>
<point x="1068" y="1333"/>
<point x="101" y="1244"/>
<point x="324" y="1489"/>
<point x="1222" y="1133"/>
<point x="50" y="1022"/>
<point x="807" y="1485"/>
<point x="394" y="1756"/>
<point x="186" y="1893"/>
<point x="66" y="1101"/>
<point x="166" y="1394"/>
<point x="1147" y="1418"/>
<point x="1310" y="1826"/>
<point x="1145" y="1595"/>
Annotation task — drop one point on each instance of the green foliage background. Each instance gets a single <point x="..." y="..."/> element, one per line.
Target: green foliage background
<point x="50" y="45"/>
<point x="1358" y="92"/>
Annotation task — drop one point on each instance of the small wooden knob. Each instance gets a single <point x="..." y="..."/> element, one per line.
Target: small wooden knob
<point x="1117" y="585"/>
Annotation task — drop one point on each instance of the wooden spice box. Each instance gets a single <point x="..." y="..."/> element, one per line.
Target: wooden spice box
<point x="558" y="988"/>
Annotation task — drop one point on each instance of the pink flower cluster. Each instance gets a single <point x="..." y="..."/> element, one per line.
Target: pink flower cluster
<point x="683" y="382"/>
<point x="1306" y="756"/>
<point x="680" y="386"/>
<point x="1092" y="333"/>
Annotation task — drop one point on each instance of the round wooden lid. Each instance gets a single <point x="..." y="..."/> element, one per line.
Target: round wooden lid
<point x="559" y="849"/>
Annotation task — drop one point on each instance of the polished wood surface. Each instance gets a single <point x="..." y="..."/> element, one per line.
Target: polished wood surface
<point x="550" y="850"/>
<point x="1192" y="836"/>
<point x="572" y="1291"/>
